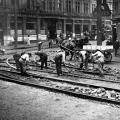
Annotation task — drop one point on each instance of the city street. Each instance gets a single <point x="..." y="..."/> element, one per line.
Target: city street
<point x="59" y="60"/>
<point x="19" y="102"/>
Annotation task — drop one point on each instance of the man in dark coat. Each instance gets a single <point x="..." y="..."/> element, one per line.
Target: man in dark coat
<point x="59" y="60"/>
<point x="43" y="58"/>
<point x="116" y="46"/>
<point x="16" y="59"/>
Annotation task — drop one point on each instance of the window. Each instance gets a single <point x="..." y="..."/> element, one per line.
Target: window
<point x="28" y="4"/>
<point x="1" y="2"/>
<point x="68" y="6"/>
<point x="53" y="5"/>
<point x="77" y="6"/>
<point x="50" y="5"/>
<point x="15" y="1"/>
<point x="93" y="7"/>
<point x="86" y="8"/>
<point x="12" y="2"/>
<point x="59" y="4"/>
<point x="43" y="4"/>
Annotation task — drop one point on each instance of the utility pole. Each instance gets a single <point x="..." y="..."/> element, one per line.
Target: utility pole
<point x="15" y="16"/>
<point x="99" y="22"/>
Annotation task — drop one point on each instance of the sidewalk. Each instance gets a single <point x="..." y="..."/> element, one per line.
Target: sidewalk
<point x="20" y="46"/>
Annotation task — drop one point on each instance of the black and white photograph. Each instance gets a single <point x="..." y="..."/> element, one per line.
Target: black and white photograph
<point x="59" y="60"/>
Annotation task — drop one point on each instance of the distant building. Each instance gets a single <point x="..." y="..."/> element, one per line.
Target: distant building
<point x="43" y="16"/>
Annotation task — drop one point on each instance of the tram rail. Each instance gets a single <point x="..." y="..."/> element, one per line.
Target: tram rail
<point x="76" y="89"/>
<point x="74" y="72"/>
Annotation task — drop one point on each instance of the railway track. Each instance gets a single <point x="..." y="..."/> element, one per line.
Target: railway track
<point x="70" y="71"/>
<point x="77" y="89"/>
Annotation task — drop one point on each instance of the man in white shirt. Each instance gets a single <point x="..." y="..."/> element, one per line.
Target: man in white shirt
<point x="98" y="57"/>
<point x="24" y="59"/>
<point x="84" y="59"/>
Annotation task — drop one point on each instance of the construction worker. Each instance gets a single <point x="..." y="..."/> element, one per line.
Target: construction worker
<point x="84" y="59"/>
<point x="16" y="59"/>
<point x="43" y="58"/>
<point x="59" y="60"/>
<point x="98" y="57"/>
<point x="24" y="60"/>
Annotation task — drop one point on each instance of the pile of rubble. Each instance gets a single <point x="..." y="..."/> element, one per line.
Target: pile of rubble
<point x="111" y="70"/>
<point x="99" y="92"/>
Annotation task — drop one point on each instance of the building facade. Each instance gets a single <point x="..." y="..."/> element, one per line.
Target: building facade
<point x="43" y="16"/>
<point x="116" y="19"/>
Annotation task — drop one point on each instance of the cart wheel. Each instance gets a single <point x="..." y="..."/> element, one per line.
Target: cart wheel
<point x="109" y="58"/>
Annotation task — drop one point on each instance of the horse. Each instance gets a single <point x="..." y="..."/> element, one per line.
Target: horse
<point x="68" y="46"/>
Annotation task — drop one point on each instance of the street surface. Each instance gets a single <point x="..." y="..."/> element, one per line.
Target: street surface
<point x="19" y="102"/>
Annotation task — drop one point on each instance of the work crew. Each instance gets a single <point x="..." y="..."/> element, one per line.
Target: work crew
<point x="59" y="60"/>
<point x="24" y="60"/>
<point x="98" y="57"/>
<point x="43" y="58"/>
<point x="84" y="59"/>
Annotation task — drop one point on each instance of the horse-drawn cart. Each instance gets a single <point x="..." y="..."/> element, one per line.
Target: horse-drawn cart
<point x="107" y="50"/>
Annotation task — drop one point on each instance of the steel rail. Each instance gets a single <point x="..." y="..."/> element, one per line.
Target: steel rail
<point x="57" y="79"/>
<point x="71" y="93"/>
<point x="64" y="73"/>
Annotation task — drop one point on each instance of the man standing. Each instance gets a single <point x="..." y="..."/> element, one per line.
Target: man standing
<point x="43" y="59"/>
<point x="116" y="46"/>
<point x="59" y="59"/>
<point x="39" y="45"/>
<point x="28" y="40"/>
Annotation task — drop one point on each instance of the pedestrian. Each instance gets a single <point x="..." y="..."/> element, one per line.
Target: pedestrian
<point x="85" y="55"/>
<point x="43" y="58"/>
<point x="116" y="45"/>
<point x="24" y="60"/>
<point x="39" y="45"/>
<point x="98" y="57"/>
<point x="28" y="40"/>
<point x="50" y="43"/>
<point x="59" y="60"/>
<point x="16" y="58"/>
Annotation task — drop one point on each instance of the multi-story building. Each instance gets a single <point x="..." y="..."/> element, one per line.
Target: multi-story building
<point x="42" y="16"/>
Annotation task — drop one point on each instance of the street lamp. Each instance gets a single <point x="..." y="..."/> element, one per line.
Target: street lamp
<point x="99" y="22"/>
